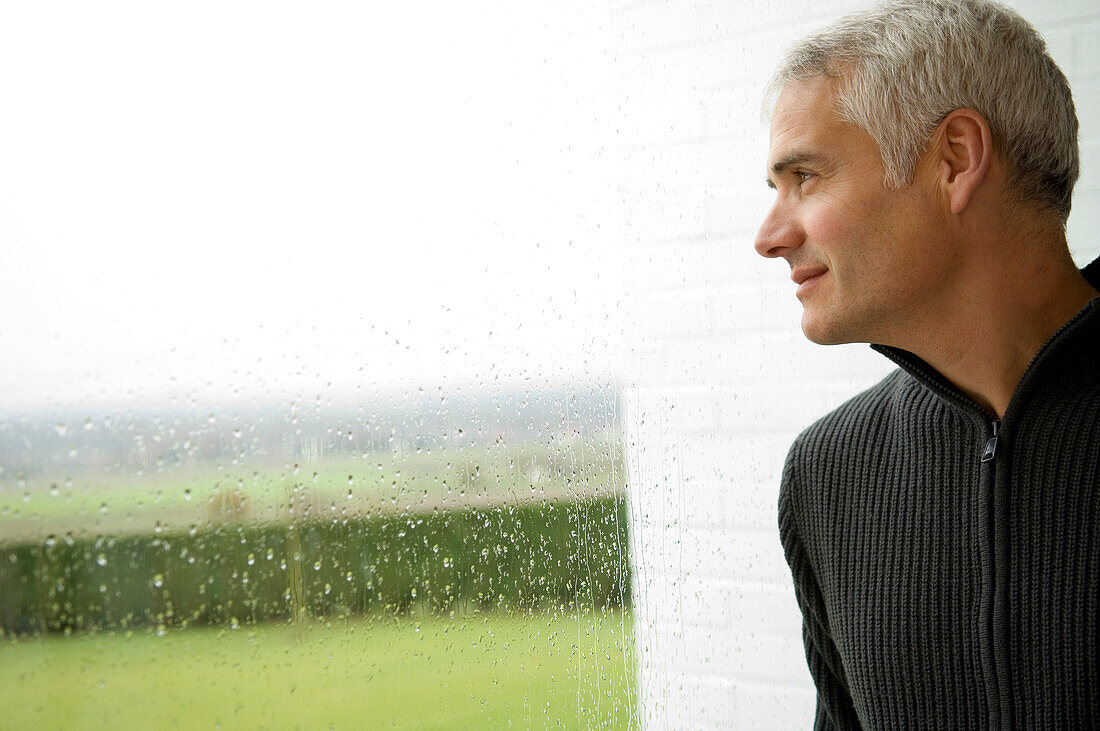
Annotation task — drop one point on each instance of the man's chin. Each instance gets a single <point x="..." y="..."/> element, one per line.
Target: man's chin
<point x="820" y="330"/>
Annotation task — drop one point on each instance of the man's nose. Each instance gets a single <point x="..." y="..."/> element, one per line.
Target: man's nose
<point x="778" y="233"/>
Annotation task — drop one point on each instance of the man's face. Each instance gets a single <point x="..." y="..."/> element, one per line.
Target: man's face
<point x="866" y="258"/>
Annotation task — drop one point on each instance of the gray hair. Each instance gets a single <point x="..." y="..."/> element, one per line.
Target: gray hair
<point x="906" y="64"/>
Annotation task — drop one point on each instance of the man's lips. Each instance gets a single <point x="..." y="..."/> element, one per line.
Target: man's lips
<point x="801" y="275"/>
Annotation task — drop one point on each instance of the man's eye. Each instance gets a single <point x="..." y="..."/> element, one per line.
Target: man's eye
<point x="803" y="175"/>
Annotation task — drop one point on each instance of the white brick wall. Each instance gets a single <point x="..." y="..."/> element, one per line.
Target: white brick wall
<point x="720" y="379"/>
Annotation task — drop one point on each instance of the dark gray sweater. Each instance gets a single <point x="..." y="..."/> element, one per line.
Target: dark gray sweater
<point x="947" y="578"/>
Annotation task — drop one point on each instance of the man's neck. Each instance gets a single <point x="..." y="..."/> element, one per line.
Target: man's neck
<point x="984" y="340"/>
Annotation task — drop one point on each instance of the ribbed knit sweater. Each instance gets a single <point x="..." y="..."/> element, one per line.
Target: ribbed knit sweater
<point x="948" y="565"/>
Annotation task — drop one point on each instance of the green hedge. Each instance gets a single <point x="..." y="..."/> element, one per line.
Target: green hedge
<point x="512" y="557"/>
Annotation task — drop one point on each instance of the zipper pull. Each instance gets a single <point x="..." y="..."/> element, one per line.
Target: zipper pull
<point x="991" y="446"/>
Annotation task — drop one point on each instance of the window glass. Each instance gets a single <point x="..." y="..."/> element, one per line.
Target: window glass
<point x="309" y="369"/>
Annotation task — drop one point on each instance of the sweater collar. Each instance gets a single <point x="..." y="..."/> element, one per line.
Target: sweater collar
<point x="1088" y="318"/>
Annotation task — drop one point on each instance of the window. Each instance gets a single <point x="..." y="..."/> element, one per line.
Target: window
<point x="309" y="366"/>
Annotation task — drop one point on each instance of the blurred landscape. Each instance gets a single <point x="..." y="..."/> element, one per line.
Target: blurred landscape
<point x="75" y="474"/>
<point x="474" y="542"/>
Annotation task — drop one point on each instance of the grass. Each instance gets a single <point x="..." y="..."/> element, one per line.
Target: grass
<point x="477" y="671"/>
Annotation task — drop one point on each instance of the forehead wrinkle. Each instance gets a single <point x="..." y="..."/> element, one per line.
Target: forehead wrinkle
<point x="804" y="120"/>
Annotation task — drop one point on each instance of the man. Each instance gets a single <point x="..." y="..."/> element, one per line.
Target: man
<point x="942" y="527"/>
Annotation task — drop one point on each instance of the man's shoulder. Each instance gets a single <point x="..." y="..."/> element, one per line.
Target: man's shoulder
<point x="859" y="413"/>
<point x="824" y="455"/>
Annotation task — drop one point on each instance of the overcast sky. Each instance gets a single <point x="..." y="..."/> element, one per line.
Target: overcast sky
<point x="218" y="201"/>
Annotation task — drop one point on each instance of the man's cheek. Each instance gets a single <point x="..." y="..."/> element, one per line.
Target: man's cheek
<point x="827" y="230"/>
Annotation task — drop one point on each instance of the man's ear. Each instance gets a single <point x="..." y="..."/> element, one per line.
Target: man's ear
<point x="964" y="148"/>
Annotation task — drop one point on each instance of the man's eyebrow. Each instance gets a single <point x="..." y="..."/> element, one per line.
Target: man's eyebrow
<point x="790" y="161"/>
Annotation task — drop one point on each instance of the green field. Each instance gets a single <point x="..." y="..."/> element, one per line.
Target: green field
<point x="462" y="586"/>
<point x="476" y="671"/>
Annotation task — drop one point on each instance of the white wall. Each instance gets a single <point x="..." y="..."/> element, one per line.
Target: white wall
<point x="719" y="377"/>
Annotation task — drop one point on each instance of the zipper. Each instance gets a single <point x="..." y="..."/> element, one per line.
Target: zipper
<point x="991" y="446"/>
<point x="993" y="536"/>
